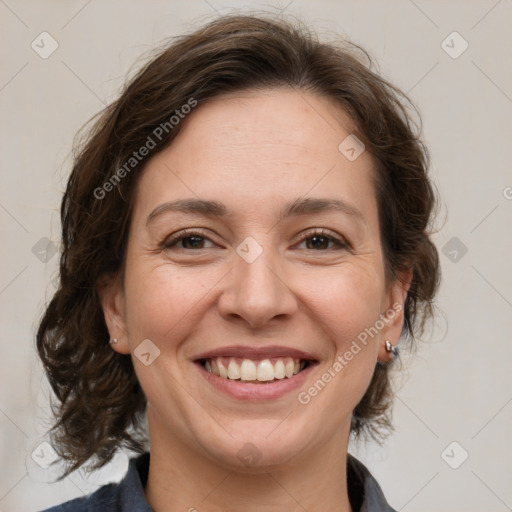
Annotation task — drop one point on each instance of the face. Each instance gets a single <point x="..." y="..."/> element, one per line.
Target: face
<point x="254" y="251"/>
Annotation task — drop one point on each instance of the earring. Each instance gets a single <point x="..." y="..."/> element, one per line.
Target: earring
<point x="113" y="341"/>
<point x="391" y="349"/>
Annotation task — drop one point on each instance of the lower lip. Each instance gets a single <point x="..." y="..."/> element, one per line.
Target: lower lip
<point x="256" y="392"/>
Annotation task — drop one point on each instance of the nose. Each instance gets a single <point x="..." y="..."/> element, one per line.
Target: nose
<point x="257" y="292"/>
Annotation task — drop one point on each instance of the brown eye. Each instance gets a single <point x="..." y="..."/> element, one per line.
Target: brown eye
<point x="318" y="240"/>
<point x="189" y="240"/>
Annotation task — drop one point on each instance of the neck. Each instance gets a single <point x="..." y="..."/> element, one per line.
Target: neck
<point x="182" y="478"/>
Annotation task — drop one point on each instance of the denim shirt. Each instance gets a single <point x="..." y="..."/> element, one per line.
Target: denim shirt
<point x="364" y="492"/>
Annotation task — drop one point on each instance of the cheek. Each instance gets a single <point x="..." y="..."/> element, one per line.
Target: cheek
<point x="162" y="300"/>
<point x="347" y="302"/>
<point x="347" y="299"/>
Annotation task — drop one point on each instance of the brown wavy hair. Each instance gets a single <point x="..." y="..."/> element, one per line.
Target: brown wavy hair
<point x="100" y="405"/>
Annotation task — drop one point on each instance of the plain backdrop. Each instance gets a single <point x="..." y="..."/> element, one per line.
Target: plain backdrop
<point x="451" y="450"/>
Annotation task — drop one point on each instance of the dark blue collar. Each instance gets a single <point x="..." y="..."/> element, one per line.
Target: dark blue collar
<point x="365" y="493"/>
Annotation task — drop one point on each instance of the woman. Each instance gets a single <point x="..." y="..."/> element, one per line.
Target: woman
<point x="245" y="242"/>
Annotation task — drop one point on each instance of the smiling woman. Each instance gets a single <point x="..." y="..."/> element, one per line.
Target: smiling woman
<point x="273" y="247"/>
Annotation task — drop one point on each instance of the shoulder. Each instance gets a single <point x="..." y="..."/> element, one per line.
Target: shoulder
<point x="364" y="491"/>
<point x="125" y="496"/>
<point x="105" y="498"/>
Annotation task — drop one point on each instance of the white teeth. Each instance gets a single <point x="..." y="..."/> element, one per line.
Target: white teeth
<point x="223" y="371"/>
<point x="215" y="368"/>
<point x="233" y="370"/>
<point x="265" y="370"/>
<point x="249" y="370"/>
<point x="289" y="367"/>
<point x="279" y="372"/>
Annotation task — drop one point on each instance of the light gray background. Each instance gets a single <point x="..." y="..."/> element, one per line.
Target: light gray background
<point x="458" y="386"/>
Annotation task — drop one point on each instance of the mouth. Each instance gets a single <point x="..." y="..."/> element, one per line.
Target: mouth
<point x="255" y="371"/>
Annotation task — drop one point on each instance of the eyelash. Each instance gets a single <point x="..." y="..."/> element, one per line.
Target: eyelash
<point x="171" y="241"/>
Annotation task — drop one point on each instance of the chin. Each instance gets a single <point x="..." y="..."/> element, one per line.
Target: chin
<point x="256" y="446"/>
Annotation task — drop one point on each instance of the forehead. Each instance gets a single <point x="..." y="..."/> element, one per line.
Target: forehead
<point x="260" y="147"/>
<point x="291" y="124"/>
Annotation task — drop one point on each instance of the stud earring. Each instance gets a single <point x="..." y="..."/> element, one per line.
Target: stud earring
<point x="113" y="341"/>
<point x="391" y="349"/>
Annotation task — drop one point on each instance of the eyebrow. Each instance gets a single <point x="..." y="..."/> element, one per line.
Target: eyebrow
<point x="300" y="206"/>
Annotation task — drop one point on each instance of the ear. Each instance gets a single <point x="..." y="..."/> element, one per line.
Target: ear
<point x="392" y="314"/>
<point x="111" y="293"/>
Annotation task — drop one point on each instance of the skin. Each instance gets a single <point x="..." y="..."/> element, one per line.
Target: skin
<point x="254" y="151"/>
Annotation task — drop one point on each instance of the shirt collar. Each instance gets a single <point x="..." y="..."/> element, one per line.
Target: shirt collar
<point x="365" y="493"/>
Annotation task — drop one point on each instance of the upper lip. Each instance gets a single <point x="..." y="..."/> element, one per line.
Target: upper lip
<point x="256" y="353"/>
